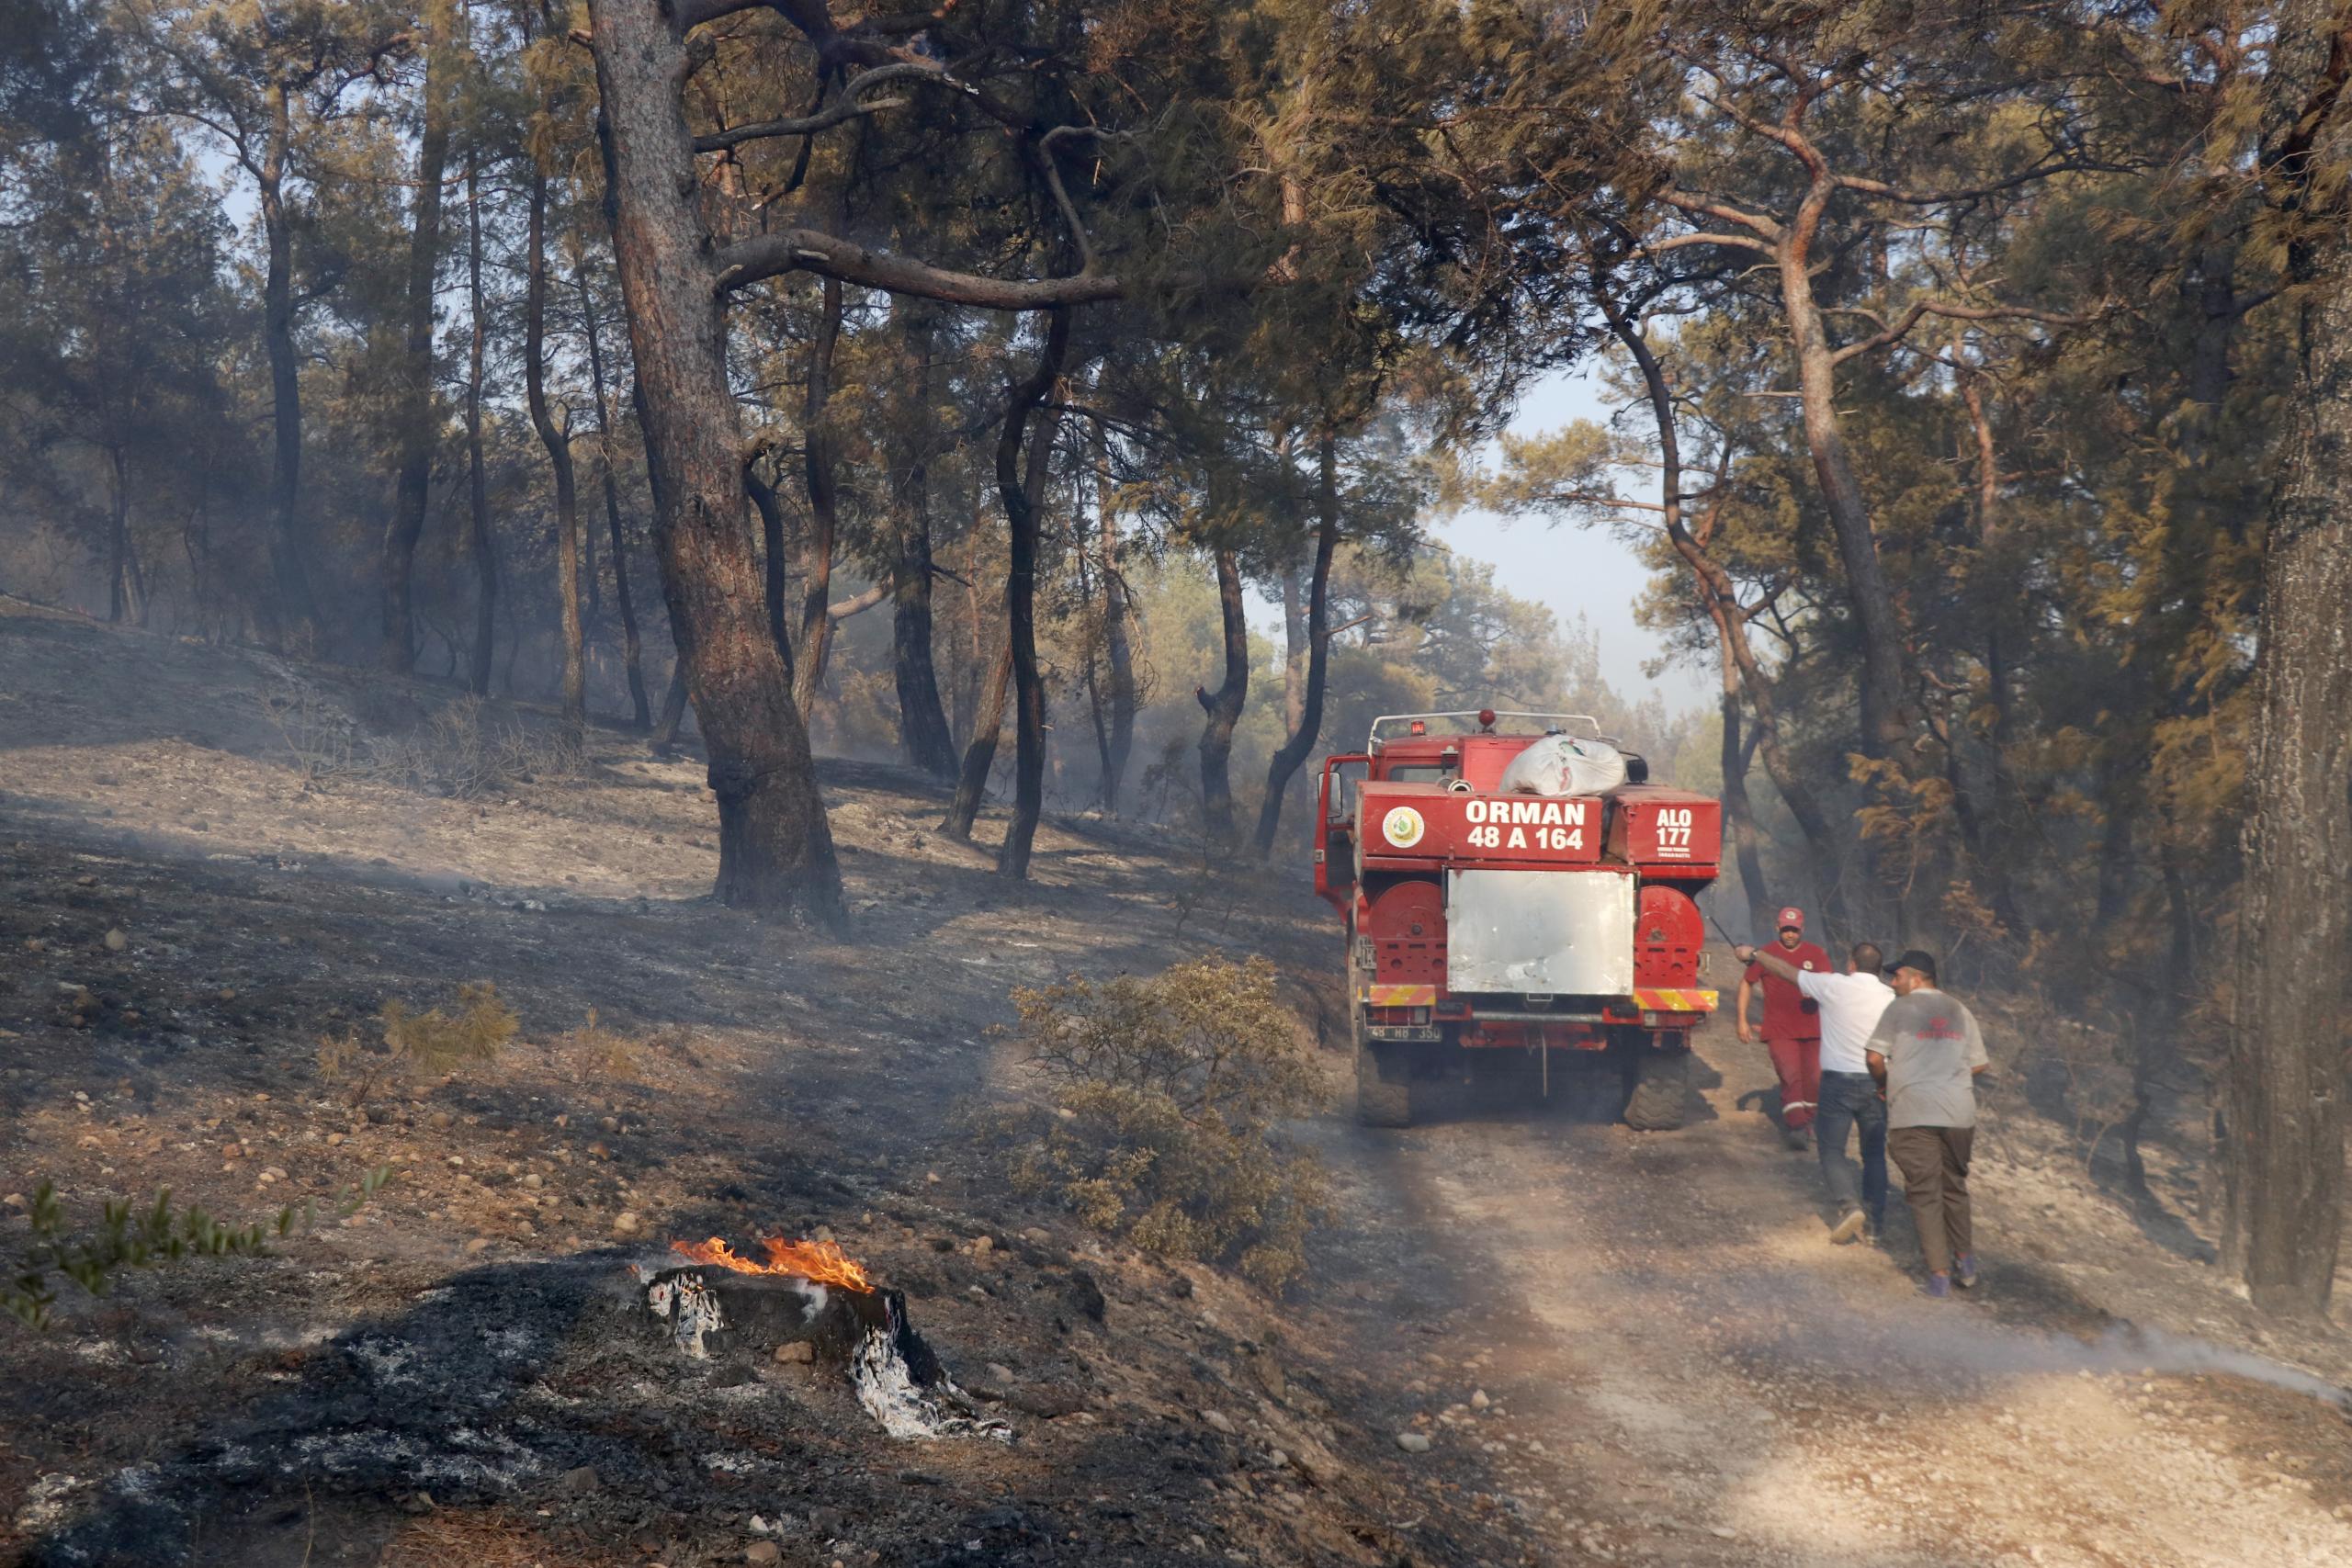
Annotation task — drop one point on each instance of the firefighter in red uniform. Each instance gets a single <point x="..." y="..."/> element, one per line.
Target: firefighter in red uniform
<point x="1791" y="1026"/>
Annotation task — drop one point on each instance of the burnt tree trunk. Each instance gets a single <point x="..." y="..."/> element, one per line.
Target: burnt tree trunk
<point x="412" y="400"/>
<point x="291" y="610"/>
<point x="773" y="578"/>
<point x="923" y="737"/>
<point x="1739" y="812"/>
<point x="2286" y="1073"/>
<point x="127" y="586"/>
<point x="632" y="642"/>
<point x="1118" y="642"/>
<point x="477" y="476"/>
<point x="817" y="465"/>
<point x="1225" y="705"/>
<point x="979" y="755"/>
<point x="558" y="442"/>
<point x="1019" y="486"/>
<point x="1304" y="703"/>
<point x="776" y="847"/>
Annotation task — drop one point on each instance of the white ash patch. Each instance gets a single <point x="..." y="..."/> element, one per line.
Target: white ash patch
<point x="689" y="1307"/>
<point x="45" y="1502"/>
<point x="510" y="1344"/>
<point x="388" y="1360"/>
<point x="887" y="1388"/>
<point x="104" y="1352"/>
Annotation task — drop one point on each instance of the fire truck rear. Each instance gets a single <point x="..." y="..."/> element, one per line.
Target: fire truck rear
<point x="1555" y="931"/>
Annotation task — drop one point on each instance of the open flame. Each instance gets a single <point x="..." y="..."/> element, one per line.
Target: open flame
<point x="821" y="1261"/>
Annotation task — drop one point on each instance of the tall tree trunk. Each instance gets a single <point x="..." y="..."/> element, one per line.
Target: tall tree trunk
<point x="1719" y="597"/>
<point x="477" y="476"/>
<point x="2286" y="1071"/>
<point x="923" y="737"/>
<point x="292" y="614"/>
<point x="673" y="708"/>
<point x="979" y="755"/>
<point x="824" y="524"/>
<point x="1885" y="705"/>
<point x="1990" y="852"/>
<point x="558" y="442"/>
<point x="1021" y="487"/>
<point x="1225" y="706"/>
<point x="1118" y="644"/>
<point x="127" y="587"/>
<point x="412" y="397"/>
<point x="1303" y="697"/>
<point x="1739" y="812"/>
<point x="632" y="642"/>
<point x="773" y="578"/>
<point x="776" y="847"/>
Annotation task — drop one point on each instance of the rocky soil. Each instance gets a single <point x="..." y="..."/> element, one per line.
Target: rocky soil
<point x="1527" y="1337"/>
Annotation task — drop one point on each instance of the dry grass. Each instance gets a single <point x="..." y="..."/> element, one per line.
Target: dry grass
<point x="448" y="1539"/>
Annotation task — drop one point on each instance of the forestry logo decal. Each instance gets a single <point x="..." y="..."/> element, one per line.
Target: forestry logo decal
<point x="1403" y="827"/>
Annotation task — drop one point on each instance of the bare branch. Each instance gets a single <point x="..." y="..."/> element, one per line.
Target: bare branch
<point x="846" y="106"/>
<point x="1922" y="308"/>
<point x="828" y="256"/>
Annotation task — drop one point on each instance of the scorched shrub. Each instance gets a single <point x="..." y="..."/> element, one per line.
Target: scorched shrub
<point x="1166" y="1094"/>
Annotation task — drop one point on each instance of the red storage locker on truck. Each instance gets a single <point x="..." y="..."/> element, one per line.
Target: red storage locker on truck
<point x="1481" y="919"/>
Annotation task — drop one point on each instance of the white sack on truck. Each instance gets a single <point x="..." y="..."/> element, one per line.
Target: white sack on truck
<point x="1561" y="764"/>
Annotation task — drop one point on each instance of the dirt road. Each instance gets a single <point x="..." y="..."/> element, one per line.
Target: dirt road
<point x="1678" y="1368"/>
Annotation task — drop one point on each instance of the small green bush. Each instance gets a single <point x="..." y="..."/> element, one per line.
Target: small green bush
<point x="136" y="1238"/>
<point x="433" y="1043"/>
<point x="1167" y="1091"/>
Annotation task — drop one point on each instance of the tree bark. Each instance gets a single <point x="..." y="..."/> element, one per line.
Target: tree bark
<point x="1303" y="699"/>
<point x="1225" y="706"/>
<point x="412" y="399"/>
<point x="632" y="642"/>
<point x="558" y="442"/>
<point x="127" y="587"/>
<point x="775" y="847"/>
<point x="292" y="610"/>
<point x="1886" y="709"/>
<point x="477" y="478"/>
<point x="2286" y="1071"/>
<point x="775" y="581"/>
<point x="1118" y="647"/>
<point x="923" y="737"/>
<point x="1739" y="812"/>
<point x="1019" y="486"/>
<point x="824" y="520"/>
<point x="979" y="756"/>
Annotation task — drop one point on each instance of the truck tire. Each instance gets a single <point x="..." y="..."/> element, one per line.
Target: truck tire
<point x="1659" y="1079"/>
<point x="1383" y="1081"/>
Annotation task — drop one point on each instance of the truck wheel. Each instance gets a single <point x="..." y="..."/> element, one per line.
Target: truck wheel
<point x="1383" y="1081"/>
<point x="1660" y="1081"/>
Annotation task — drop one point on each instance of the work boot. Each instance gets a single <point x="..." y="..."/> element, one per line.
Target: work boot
<point x="1938" y="1286"/>
<point x="1849" y="1227"/>
<point x="1963" y="1271"/>
<point x="1795" y="1137"/>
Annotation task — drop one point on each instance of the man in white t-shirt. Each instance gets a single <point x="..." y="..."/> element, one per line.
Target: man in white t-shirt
<point x="1850" y="1004"/>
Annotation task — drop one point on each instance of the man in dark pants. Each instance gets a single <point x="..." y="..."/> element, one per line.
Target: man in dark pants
<point x="1850" y="1005"/>
<point x="1928" y="1050"/>
<point x="1791" y="1022"/>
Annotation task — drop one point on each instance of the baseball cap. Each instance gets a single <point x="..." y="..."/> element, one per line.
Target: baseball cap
<point x="1914" y="959"/>
<point x="1792" y="915"/>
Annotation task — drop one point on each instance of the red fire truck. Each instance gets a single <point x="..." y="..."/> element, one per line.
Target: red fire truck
<point x="1482" y="924"/>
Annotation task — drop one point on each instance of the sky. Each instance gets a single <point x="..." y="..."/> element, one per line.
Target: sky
<point x="1576" y="570"/>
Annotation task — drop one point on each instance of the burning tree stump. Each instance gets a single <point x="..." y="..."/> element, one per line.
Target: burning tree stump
<point x="809" y="1293"/>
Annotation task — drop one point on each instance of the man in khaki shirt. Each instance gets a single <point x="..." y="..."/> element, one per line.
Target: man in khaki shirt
<point x="1927" y="1051"/>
